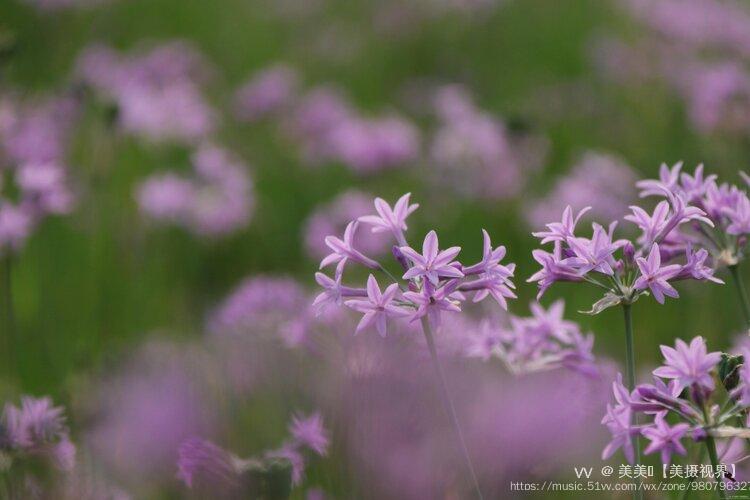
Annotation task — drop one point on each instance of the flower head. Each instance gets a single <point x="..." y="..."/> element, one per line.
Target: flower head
<point x="690" y="365"/>
<point x="654" y="276"/>
<point x="665" y="438"/>
<point x="561" y="231"/>
<point x="432" y="263"/>
<point x="309" y="432"/>
<point x="391" y="219"/>
<point x="377" y="307"/>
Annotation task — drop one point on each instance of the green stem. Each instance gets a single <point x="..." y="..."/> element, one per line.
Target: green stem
<point x="448" y="402"/>
<point x="711" y="446"/>
<point x="9" y="320"/>
<point x="630" y="369"/>
<point x="741" y="292"/>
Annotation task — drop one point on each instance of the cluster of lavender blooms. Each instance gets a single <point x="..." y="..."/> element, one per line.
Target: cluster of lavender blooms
<point x="328" y="128"/>
<point x="541" y="342"/>
<point x="216" y="201"/>
<point x="264" y="304"/>
<point x="203" y="464"/>
<point x="437" y="283"/>
<point x="324" y="125"/>
<point x="35" y="430"/>
<point x="601" y="181"/>
<point x="473" y="153"/>
<point x="33" y="176"/>
<point x="685" y="390"/>
<point x="700" y="48"/>
<point x="726" y="207"/>
<point x="332" y="218"/>
<point x="266" y="93"/>
<point x="157" y="94"/>
<point x="642" y="267"/>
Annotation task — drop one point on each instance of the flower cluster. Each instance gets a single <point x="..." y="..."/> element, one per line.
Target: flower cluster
<point x="544" y="341"/>
<point x="202" y="463"/>
<point x="435" y="281"/>
<point x="473" y="153"/>
<point x="36" y="429"/>
<point x="216" y="201"/>
<point x="699" y="48"/>
<point x="33" y="177"/>
<point x="267" y="92"/>
<point x="157" y="93"/>
<point x="726" y="207"/>
<point x="623" y="269"/>
<point x="683" y="389"/>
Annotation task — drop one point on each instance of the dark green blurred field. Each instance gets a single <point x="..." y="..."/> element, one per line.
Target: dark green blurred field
<point x="89" y="287"/>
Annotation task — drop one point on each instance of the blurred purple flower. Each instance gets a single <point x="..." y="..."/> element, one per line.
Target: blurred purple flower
<point x="216" y="201"/>
<point x="310" y="432"/>
<point x="600" y="181"/>
<point x="267" y="92"/>
<point x="157" y="93"/>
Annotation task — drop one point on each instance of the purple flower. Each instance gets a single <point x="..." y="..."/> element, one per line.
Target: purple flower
<point x="333" y="217"/>
<point x="431" y="302"/>
<point x="433" y="263"/>
<point x="215" y="201"/>
<point x="602" y="181"/>
<point x="654" y="276"/>
<point x="343" y="251"/>
<point x="267" y="92"/>
<point x="333" y="292"/>
<point x="36" y="423"/>
<point x="554" y="268"/>
<point x="157" y="93"/>
<point x="665" y="438"/>
<point x="617" y="421"/>
<point x="309" y="432"/>
<point x="378" y="306"/>
<point x="695" y="266"/>
<point x="668" y="179"/>
<point x="651" y="225"/>
<point x="391" y="219"/>
<point x="201" y="461"/>
<point x="561" y="231"/>
<point x="594" y="254"/>
<point x="739" y="216"/>
<point x="690" y="365"/>
<point x="16" y="224"/>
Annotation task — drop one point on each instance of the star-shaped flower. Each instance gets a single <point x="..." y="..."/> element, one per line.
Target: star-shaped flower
<point x="433" y="263"/>
<point x="377" y="307"/>
<point x="431" y="302"/>
<point x="690" y="365"/>
<point x="391" y="219"/>
<point x="655" y="277"/>
<point x="343" y="251"/>
<point x="665" y="438"/>
<point x="561" y="231"/>
<point x="668" y="179"/>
